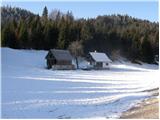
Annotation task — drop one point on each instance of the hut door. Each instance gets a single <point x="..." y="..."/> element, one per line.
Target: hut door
<point x="55" y="61"/>
<point x="99" y="64"/>
<point x="49" y="65"/>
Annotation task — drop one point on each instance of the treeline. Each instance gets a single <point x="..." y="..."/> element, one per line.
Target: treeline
<point x="115" y="35"/>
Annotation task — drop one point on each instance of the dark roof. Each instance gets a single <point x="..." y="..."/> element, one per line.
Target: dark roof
<point x="60" y="54"/>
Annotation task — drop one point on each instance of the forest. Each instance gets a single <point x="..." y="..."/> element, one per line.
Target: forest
<point x="117" y="35"/>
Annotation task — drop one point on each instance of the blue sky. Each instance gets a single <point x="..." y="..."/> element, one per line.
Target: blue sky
<point x="144" y="10"/>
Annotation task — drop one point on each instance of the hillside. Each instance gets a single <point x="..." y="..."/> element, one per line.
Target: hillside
<point x="9" y="14"/>
<point x="31" y="91"/>
<point x="116" y="35"/>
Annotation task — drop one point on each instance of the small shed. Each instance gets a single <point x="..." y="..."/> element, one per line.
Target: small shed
<point x="59" y="59"/>
<point x="98" y="60"/>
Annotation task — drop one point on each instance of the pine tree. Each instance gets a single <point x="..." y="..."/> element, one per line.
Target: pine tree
<point x="45" y="12"/>
<point x="8" y="36"/>
<point x="136" y="47"/>
<point x="23" y="35"/>
<point x="147" y="51"/>
<point x="86" y="32"/>
<point x="45" y="15"/>
<point x="50" y="36"/>
<point x="63" y="34"/>
<point x="37" y="36"/>
<point x="62" y="38"/>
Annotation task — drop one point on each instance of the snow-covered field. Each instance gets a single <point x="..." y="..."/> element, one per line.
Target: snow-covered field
<point x="31" y="91"/>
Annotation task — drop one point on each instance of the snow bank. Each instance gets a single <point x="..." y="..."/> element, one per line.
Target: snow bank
<point x="31" y="91"/>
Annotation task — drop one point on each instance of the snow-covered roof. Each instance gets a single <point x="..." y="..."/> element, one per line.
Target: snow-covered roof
<point x="100" y="57"/>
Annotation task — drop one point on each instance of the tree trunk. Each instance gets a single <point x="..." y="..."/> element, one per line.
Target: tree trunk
<point x="77" y="62"/>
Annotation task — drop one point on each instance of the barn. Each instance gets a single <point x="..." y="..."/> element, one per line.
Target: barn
<point x="59" y="59"/>
<point x="98" y="60"/>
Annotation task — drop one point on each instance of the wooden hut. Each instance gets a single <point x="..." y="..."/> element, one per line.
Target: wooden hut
<point x="59" y="59"/>
<point x="98" y="60"/>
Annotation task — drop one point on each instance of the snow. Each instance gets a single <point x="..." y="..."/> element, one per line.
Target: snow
<point x="31" y="91"/>
<point x="100" y="57"/>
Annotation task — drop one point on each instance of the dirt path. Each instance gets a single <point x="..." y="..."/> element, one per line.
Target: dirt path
<point x="148" y="109"/>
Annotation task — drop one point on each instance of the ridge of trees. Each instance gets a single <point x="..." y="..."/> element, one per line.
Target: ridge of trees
<point x="133" y="38"/>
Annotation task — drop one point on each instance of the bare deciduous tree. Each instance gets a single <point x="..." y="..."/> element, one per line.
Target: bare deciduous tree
<point x="76" y="50"/>
<point x="55" y="15"/>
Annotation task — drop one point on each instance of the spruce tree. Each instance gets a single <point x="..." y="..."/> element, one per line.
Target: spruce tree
<point x="147" y="51"/>
<point x="45" y="15"/>
<point x="62" y="38"/>
<point x="45" y="12"/>
<point x="8" y="36"/>
<point x="23" y="35"/>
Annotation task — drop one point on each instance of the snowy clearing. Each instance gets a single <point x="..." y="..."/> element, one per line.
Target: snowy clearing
<point x="31" y="91"/>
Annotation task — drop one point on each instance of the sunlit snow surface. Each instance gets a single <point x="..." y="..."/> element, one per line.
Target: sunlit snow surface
<point x="31" y="91"/>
